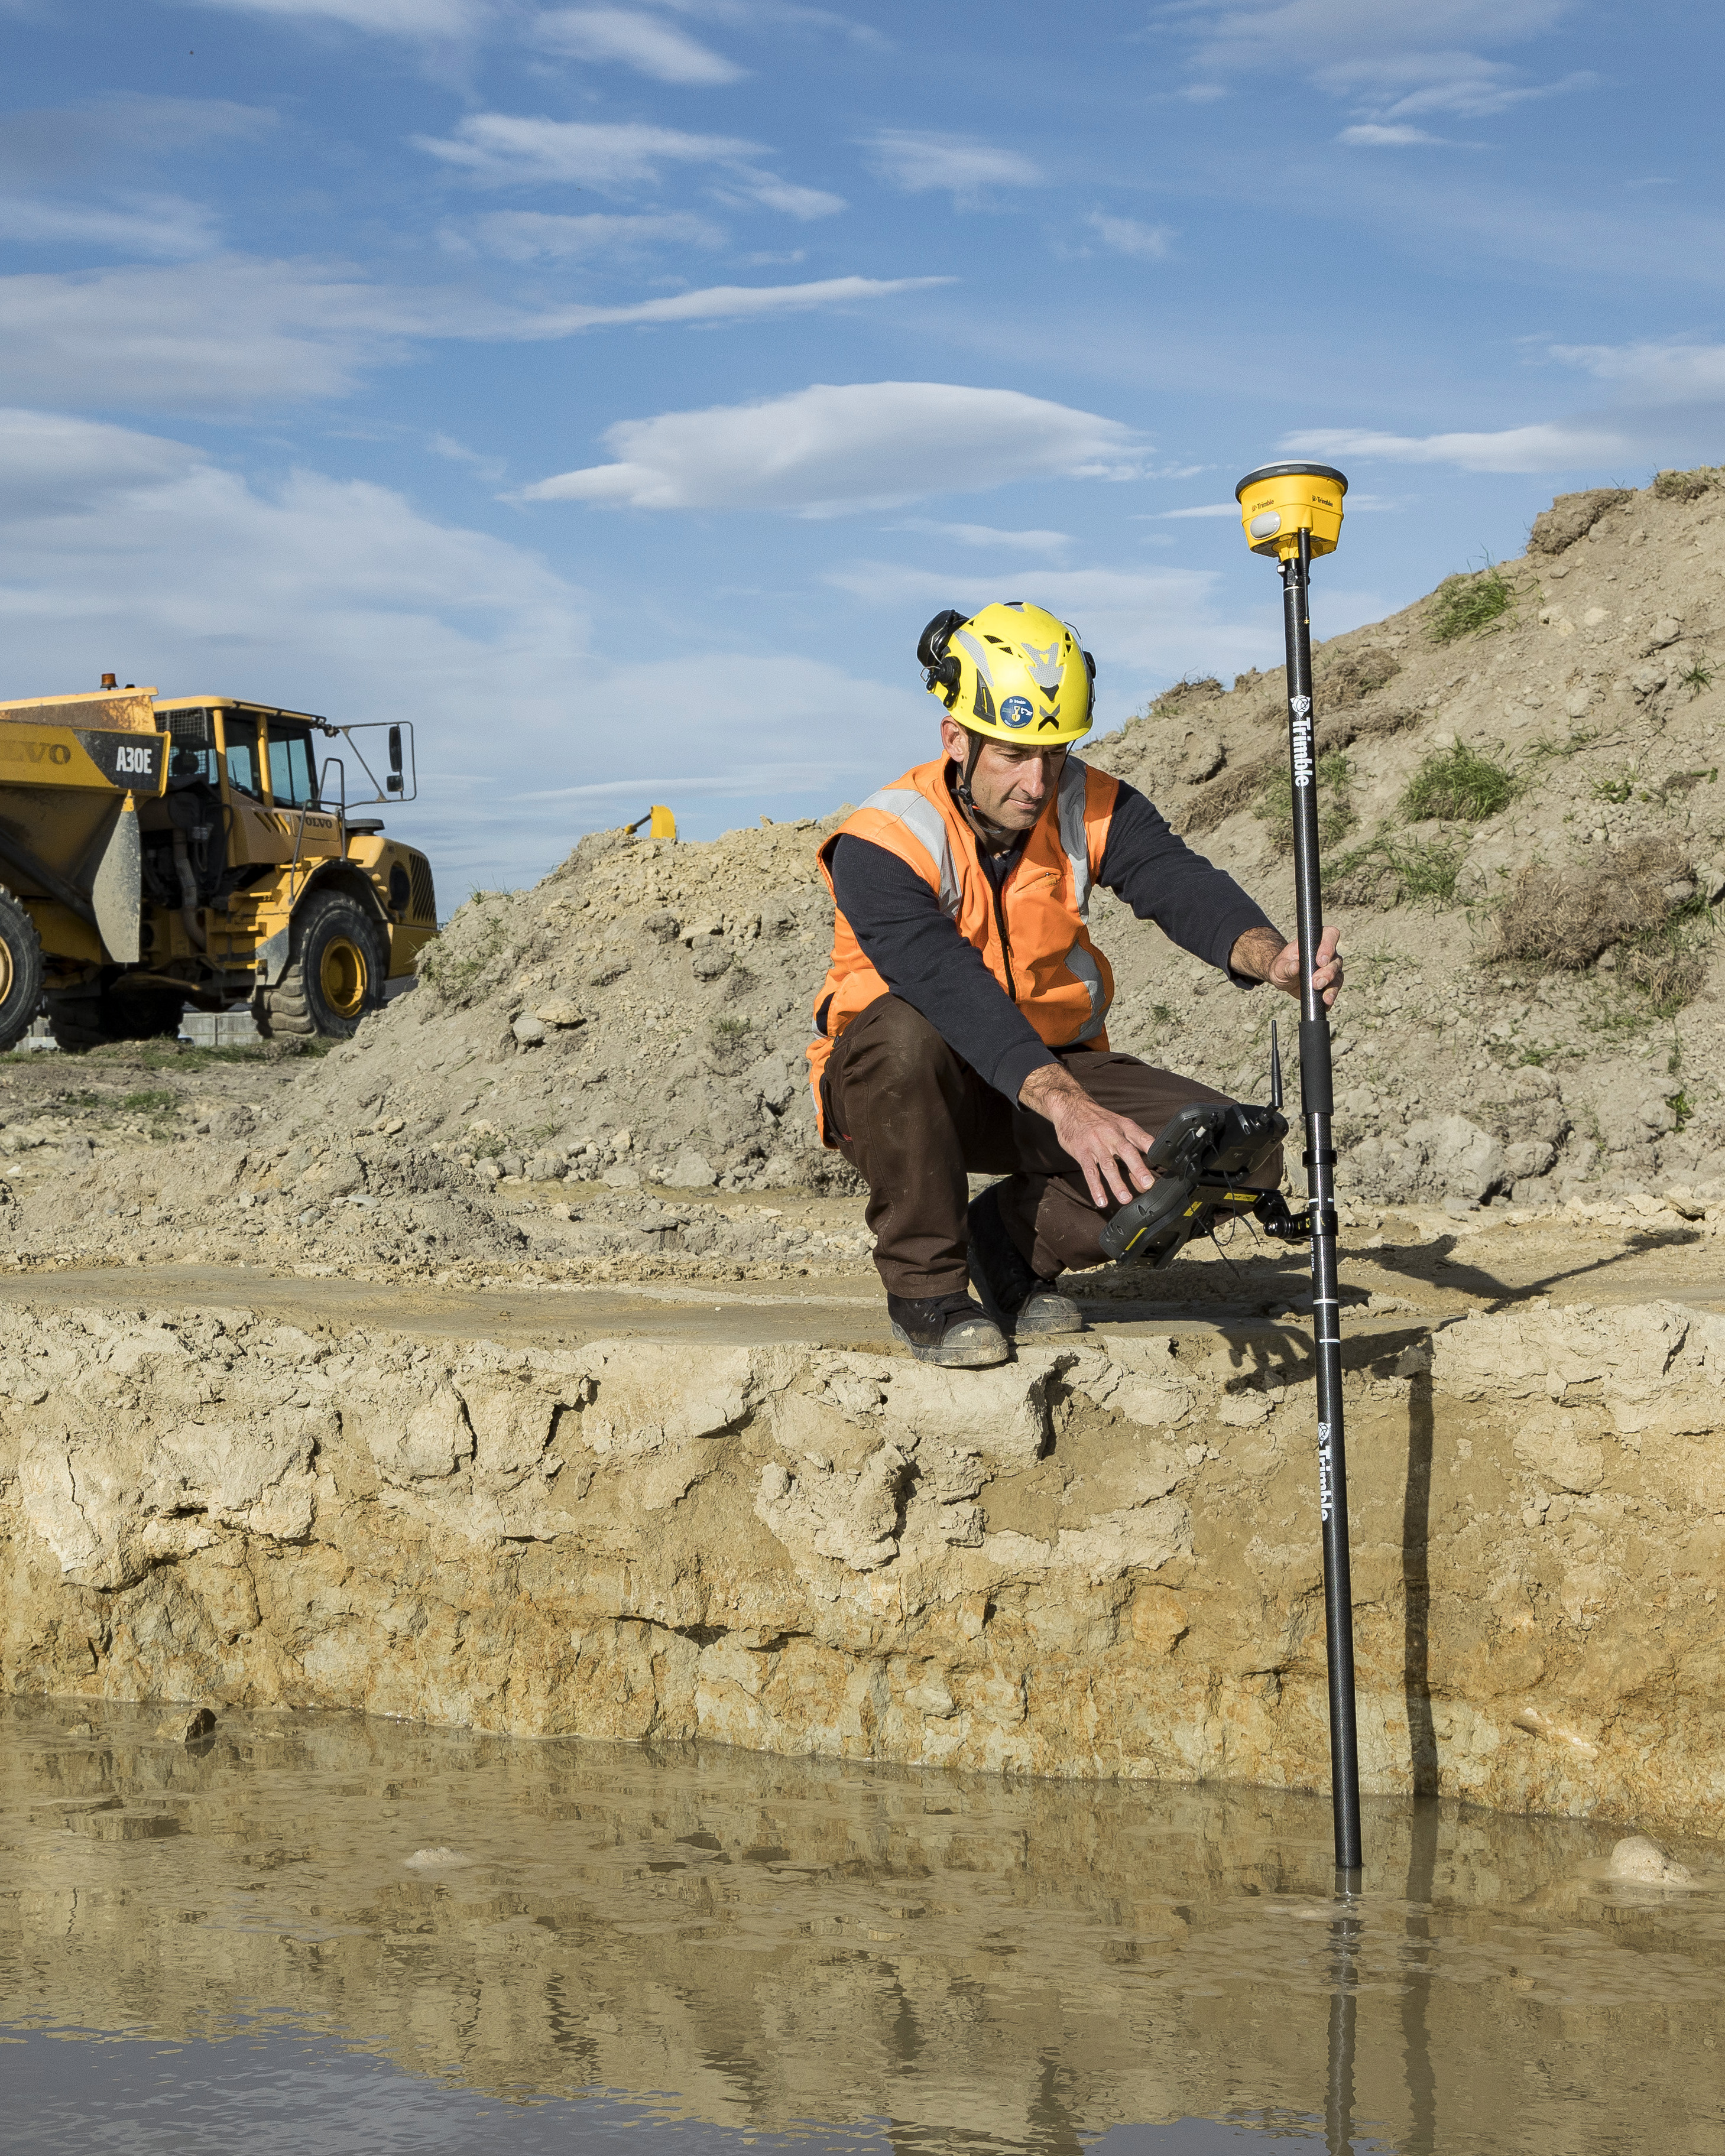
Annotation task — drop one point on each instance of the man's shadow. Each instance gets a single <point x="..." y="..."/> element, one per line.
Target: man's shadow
<point x="1415" y="1262"/>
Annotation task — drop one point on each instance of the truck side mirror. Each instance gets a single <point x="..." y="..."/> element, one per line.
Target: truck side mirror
<point x="394" y="782"/>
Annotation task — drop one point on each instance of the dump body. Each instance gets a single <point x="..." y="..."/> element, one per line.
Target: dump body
<point x="73" y="770"/>
<point x="173" y="846"/>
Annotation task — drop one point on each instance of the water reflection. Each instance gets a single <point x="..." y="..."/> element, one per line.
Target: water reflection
<point x="840" y="1955"/>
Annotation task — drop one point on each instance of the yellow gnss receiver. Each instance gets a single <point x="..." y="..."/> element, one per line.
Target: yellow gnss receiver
<point x="1277" y="502"/>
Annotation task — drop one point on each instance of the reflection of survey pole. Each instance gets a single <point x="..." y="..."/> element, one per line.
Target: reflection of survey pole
<point x="1344" y="2011"/>
<point x="1294" y="513"/>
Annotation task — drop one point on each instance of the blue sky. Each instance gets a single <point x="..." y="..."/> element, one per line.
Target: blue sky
<point x="615" y="390"/>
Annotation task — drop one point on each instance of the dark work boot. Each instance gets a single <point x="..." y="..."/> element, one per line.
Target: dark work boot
<point x="1019" y="1300"/>
<point x="947" y="1329"/>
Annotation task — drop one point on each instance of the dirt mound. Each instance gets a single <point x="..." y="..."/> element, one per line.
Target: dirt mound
<point x="639" y="1017"/>
<point x="1526" y="836"/>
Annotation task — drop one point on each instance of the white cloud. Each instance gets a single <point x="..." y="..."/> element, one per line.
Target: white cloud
<point x="205" y="336"/>
<point x="637" y="40"/>
<point x="292" y="332"/>
<point x="1669" y="406"/>
<point x="489" y="469"/>
<point x="1370" y="136"/>
<point x="164" y="226"/>
<point x="530" y="235"/>
<point x="804" y="204"/>
<point x="1125" y="235"/>
<point x="406" y="18"/>
<point x="1394" y="61"/>
<point x="1203" y="509"/>
<point x="127" y="550"/>
<point x="505" y="148"/>
<point x="1237" y="34"/>
<point x="1653" y="374"/>
<point x="826" y="449"/>
<point x="1547" y="446"/>
<point x="991" y="540"/>
<point x="926" y="163"/>
<point x="719" y="303"/>
<point x="76" y="176"/>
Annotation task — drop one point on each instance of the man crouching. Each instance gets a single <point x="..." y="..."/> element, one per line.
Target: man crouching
<point x="961" y="1029"/>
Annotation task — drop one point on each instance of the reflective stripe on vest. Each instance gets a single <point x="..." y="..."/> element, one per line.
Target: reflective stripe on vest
<point x="1080" y="962"/>
<point x="1075" y="842"/>
<point x="919" y="816"/>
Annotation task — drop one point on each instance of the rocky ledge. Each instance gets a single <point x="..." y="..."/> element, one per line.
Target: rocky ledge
<point x="1101" y="1560"/>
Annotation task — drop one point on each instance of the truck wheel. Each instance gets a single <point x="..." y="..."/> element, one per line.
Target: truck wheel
<point x="142" y="1013"/>
<point x="20" y="971"/>
<point x="335" y="976"/>
<point x="95" y="1019"/>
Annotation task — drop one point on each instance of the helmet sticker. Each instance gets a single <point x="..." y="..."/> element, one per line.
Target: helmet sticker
<point x="1016" y="711"/>
<point x="1045" y="662"/>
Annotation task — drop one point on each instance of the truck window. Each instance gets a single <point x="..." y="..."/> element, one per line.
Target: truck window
<point x="240" y="732"/>
<point x="193" y="753"/>
<point x="293" y="775"/>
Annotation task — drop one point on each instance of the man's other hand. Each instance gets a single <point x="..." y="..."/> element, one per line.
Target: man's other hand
<point x="1260" y="955"/>
<point x="1109" y="1148"/>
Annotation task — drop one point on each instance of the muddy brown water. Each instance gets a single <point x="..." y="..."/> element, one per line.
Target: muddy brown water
<point x="323" y="1932"/>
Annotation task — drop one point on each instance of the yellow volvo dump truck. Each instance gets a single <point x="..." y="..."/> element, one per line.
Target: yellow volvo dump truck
<point x="157" y="851"/>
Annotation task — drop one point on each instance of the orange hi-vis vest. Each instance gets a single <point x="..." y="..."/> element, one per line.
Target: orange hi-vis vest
<point x="1035" y="935"/>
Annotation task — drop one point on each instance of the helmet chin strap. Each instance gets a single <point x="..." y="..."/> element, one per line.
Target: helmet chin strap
<point x="987" y="832"/>
<point x="962" y="788"/>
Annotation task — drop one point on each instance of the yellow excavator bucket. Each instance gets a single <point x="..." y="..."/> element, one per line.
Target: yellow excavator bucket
<point x="664" y="824"/>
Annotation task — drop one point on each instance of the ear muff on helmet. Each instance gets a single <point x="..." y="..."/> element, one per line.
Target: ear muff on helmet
<point x="941" y="665"/>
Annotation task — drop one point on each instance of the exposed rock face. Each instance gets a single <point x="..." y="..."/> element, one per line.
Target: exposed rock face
<point x="1571" y="517"/>
<point x="1100" y="1560"/>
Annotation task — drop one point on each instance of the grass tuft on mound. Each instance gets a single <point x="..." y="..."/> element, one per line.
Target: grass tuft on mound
<point x="1274" y="802"/>
<point x="1385" y="873"/>
<point x="1458" y="785"/>
<point x="1466" y="603"/>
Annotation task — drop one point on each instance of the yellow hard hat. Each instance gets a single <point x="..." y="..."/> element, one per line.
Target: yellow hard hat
<point x="1012" y="672"/>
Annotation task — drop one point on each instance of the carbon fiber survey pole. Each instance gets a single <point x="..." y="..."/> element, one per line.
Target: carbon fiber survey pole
<point x="1284" y="507"/>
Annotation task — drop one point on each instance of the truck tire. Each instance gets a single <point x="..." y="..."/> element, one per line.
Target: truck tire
<point x="110" y="1014"/>
<point x="20" y="971"/>
<point x="335" y="976"/>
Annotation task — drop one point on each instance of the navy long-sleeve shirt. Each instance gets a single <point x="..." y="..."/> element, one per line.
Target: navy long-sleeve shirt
<point x="918" y="951"/>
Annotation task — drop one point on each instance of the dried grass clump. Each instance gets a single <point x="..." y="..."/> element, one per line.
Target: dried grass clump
<point x="1190" y="686"/>
<point x="1685" y="486"/>
<point x="1640" y="898"/>
<point x="1668" y="970"/>
<point x="1352" y="676"/>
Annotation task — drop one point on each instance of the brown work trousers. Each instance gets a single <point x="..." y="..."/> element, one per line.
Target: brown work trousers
<point x="914" y="1120"/>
